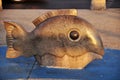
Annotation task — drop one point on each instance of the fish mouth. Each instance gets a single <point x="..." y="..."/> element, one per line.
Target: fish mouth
<point x="68" y="62"/>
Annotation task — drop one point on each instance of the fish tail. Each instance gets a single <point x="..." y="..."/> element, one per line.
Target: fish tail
<point x="14" y="33"/>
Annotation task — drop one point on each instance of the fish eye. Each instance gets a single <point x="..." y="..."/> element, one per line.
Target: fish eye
<point x="74" y="35"/>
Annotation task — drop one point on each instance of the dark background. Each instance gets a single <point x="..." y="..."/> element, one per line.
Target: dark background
<point x="55" y="4"/>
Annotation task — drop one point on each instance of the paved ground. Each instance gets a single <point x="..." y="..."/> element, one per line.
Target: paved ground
<point x="26" y="69"/>
<point x="106" y="22"/>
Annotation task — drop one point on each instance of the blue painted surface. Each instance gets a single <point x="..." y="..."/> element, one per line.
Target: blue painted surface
<point x="14" y="68"/>
<point x="106" y="69"/>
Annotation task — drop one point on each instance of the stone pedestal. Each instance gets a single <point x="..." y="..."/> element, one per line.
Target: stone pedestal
<point x="0" y="4"/>
<point x="98" y="4"/>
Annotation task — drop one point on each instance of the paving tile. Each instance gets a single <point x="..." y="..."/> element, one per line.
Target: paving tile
<point x="14" y="68"/>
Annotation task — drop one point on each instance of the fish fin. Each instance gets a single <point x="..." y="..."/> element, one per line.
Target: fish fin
<point x="12" y="53"/>
<point x="13" y="33"/>
<point x="95" y="56"/>
<point x="47" y="15"/>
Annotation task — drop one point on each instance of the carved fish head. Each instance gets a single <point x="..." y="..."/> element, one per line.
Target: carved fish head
<point x="60" y="39"/>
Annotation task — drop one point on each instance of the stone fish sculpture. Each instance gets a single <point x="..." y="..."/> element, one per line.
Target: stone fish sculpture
<point x="60" y="40"/>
